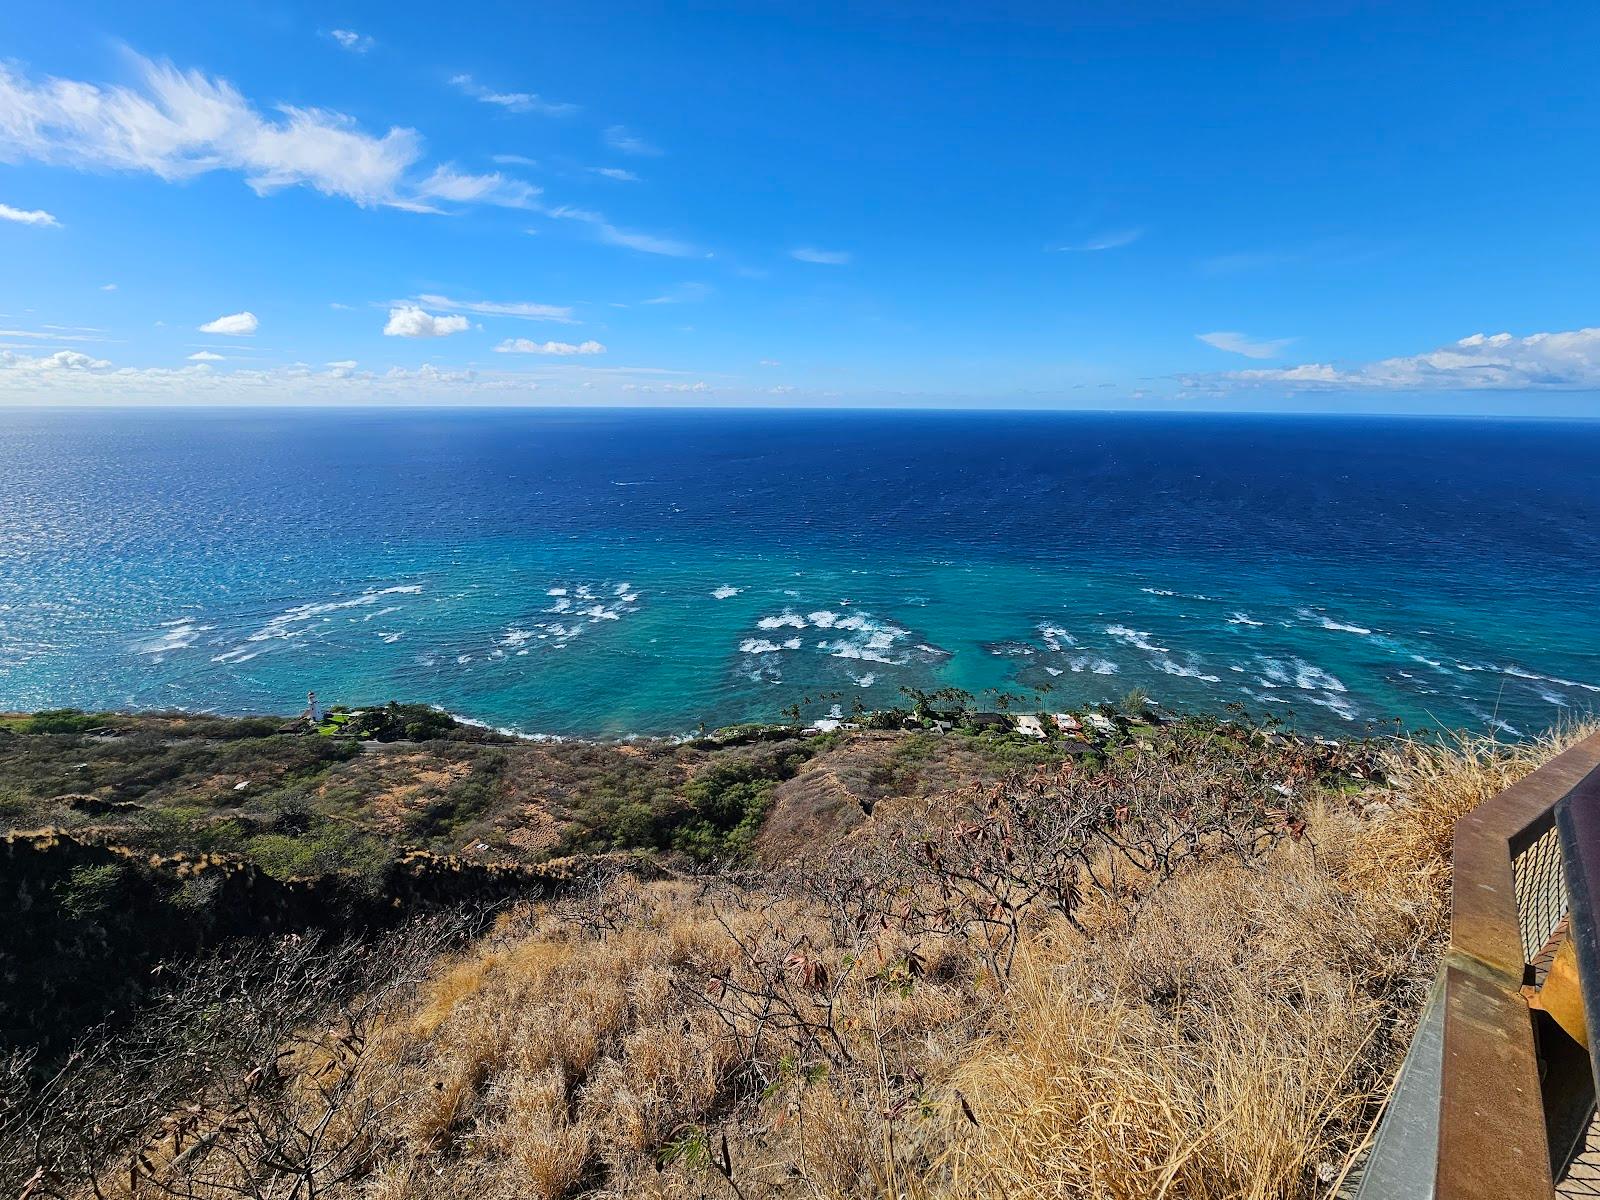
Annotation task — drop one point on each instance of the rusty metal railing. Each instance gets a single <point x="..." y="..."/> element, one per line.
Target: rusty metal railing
<point x="1498" y="1090"/>
<point x="1516" y="1089"/>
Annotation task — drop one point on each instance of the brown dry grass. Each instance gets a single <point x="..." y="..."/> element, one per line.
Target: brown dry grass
<point x="1222" y="1032"/>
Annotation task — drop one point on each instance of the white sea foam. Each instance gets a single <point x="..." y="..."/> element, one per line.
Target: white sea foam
<point x="1306" y="676"/>
<point x="1052" y="670"/>
<point x="294" y="623"/>
<point x="1182" y="670"/>
<point x="855" y="650"/>
<point x="1134" y="638"/>
<point x="784" y="620"/>
<point x="1517" y="672"/>
<point x="1240" y="618"/>
<point x="1092" y="664"/>
<point x="175" y="635"/>
<point x="759" y="646"/>
<point x="556" y="592"/>
<point x="1327" y="622"/>
<point x="725" y="592"/>
<point x="1056" y="637"/>
<point x="823" y="619"/>
<point x="390" y="638"/>
<point x="1337" y="705"/>
<point x="866" y="680"/>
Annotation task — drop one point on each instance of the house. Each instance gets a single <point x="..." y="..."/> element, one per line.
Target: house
<point x="1100" y="724"/>
<point x="989" y="720"/>
<point x="1028" y="725"/>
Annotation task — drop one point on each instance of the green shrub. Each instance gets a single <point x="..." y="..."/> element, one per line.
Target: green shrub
<point x="87" y="892"/>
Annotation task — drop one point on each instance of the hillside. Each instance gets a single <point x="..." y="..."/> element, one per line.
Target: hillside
<point x="1171" y="958"/>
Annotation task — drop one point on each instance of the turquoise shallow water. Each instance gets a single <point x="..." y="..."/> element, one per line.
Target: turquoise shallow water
<point x="619" y="572"/>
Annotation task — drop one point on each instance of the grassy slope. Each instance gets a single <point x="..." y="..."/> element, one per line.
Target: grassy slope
<point x="1186" y="970"/>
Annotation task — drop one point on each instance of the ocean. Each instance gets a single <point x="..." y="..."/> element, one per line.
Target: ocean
<point x="608" y="573"/>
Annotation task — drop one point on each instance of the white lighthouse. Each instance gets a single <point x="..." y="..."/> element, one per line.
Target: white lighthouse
<point x="313" y="713"/>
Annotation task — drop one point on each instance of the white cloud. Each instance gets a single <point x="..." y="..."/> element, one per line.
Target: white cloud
<point x="647" y="243"/>
<point x="831" y="258"/>
<point x="234" y="325"/>
<point x="108" y="287"/>
<point x="61" y="360"/>
<point x="617" y="173"/>
<point x="409" y="321"/>
<point x="528" y="346"/>
<point x="57" y="333"/>
<point x="618" y="138"/>
<point x="446" y="183"/>
<point x="204" y="356"/>
<point x="684" y="293"/>
<point x="179" y="124"/>
<point x="342" y="369"/>
<point x="35" y="216"/>
<point x="1238" y="343"/>
<point x="1113" y="240"/>
<point x="515" y="160"/>
<point x="1567" y="360"/>
<point x="770" y="362"/>
<point x="701" y="386"/>
<point x="356" y="43"/>
<point x="520" y="102"/>
<point x="524" y="309"/>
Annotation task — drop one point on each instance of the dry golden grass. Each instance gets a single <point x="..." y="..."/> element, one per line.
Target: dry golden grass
<point x="1224" y="1032"/>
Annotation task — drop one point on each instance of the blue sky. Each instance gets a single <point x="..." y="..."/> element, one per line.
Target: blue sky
<point x="1336" y="206"/>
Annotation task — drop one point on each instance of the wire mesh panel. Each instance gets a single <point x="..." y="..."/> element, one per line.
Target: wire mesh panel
<point x="1541" y="888"/>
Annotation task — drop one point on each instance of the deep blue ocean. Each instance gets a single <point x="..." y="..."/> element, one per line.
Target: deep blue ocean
<point x="643" y="572"/>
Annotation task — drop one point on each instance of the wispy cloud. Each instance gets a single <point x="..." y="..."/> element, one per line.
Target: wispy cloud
<point x="205" y="356"/>
<point x="446" y="183"/>
<point x="1111" y="240"/>
<point x="1239" y="343"/>
<point x="810" y="254"/>
<point x="562" y="349"/>
<point x="616" y="173"/>
<point x="684" y="293"/>
<point x="356" y="43"/>
<point x="519" y="102"/>
<point x="515" y="160"/>
<point x="56" y="333"/>
<point x="179" y="124"/>
<point x="526" y="310"/>
<point x="605" y="231"/>
<point x="618" y="138"/>
<point x="1564" y="361"/>
<point x="241" y="324"/>
<point x="21" y="216"/>
<point x="409" y="321"/>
